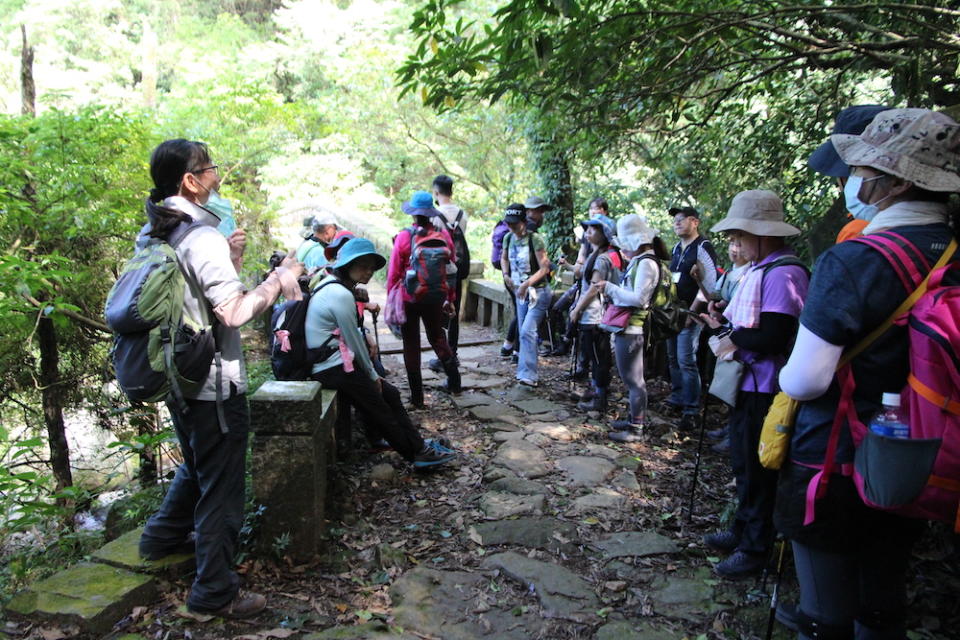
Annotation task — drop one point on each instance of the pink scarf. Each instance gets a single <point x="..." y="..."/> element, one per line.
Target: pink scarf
<point x="743" y="312"/>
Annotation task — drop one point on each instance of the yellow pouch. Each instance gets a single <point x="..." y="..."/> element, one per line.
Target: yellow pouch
<point x="777" y="431"/>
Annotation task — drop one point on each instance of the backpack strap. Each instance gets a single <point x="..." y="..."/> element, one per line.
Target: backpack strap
<point x="905" y="259"/>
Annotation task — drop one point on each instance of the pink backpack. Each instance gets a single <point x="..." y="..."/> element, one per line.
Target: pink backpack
<point x="917" y="477"/>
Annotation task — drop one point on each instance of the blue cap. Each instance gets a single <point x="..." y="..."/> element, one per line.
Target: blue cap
<point x="606" y="225"/>
<point x="357" y="248"/>
<point x="852" y="121"/>
<point x="420" y="204"/>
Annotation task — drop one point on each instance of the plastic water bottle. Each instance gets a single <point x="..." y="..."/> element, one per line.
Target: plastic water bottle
<point x="888" y="421"/>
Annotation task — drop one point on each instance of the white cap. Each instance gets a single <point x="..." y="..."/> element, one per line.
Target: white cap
<point x="891" y="400"/>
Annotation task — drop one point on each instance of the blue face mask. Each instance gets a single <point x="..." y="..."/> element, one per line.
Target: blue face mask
<point x="857" y="207"/>
<point x="224" y="210"/>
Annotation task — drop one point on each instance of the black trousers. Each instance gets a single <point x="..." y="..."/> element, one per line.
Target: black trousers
<point x="596" y="353"/>
<point x="206" y="496"/>
<point x="383" y="412"/>
<point x="453" y="324"/>
<point x="756" y="486"/>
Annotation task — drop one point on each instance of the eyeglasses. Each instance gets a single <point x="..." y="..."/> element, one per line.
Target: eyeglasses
<point x="212" y="167"/>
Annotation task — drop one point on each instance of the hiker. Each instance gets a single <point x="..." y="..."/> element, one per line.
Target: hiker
<point x="604" y="263"/>
<point x="455" y="219"/>
<point x="851" y="560"/>
<point x="510" y="344"/>
<point x="826" y="161"/>
<point x="421" y="265"/>
<point x="759" y="326"/>
<point x="536" y="208"/>
<point x="693" y="249"/>
<point x="647" y="254"/>
<point x="525" y="267"/>
<point x="344" y="363"/>
<point x="323" y="228"/>
<point x="206" y="497"/>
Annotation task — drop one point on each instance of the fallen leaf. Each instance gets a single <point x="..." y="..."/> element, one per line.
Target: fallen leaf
<point x="277" y="633"/>
<point x="183" y="612"/>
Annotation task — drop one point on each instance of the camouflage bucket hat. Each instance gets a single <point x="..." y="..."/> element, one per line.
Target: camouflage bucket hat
<point x="918" y="145"/>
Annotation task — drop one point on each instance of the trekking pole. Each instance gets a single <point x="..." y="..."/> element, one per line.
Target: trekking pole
<point x="704" y="400"/>
<point x="775" y="596"/>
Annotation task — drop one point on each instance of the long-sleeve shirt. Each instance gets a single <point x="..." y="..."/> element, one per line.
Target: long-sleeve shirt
<point x="400" y="260"/>
<point x="331" y="308"/>
<point x="636" y="289"/>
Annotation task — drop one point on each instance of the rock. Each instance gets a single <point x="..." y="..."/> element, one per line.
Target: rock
<point x="537" y="439"/>
<point x="373" y="630"/>
<point x="520" y="392"/>
<point x="124" y="553"/>
<point x="536" y="405"/>
<point x="518" y="421"/>
<point x="628" y="462"/>
<point x="602" y="499"/>
<point x="439" y="604"/>
<point x="90" y="595"/>
<point x="503" y="436"/>
<point x="492" y="474"/>
<point x="585" y="471"/>
<point x="687" y="598"/>
<point x="562" y="593"/>
<point x="502" y="426"/>
<point x="384" y="473"/>
<point x="488" y="412"/>
<point x="557" y="414"/>
<point x="626" y="481"/>
<point x="496" y="505"/>
<point x="616" y="586"/>
<point x="519" y="486"/>
<point x="467" y="400"/>
<point x="627" y="630"/>
<point x="601" y="451"/>
<point x="471" y="381"/>
<point x="551" y="430"/>
<point x="143" y="501"/>
<point x="523" y="458"/>
<point x="635" y="543"/>
<point x="539" y="533"/>
<point x="389" y="556"/>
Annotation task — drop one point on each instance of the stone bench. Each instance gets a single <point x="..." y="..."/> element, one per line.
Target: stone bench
<point x="296" y="433"/>
<point x="487" y="303"/>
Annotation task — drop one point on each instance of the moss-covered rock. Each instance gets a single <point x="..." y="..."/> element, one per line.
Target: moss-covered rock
<point x="124" y="553"/>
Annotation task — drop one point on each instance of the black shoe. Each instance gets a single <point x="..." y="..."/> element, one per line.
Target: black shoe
<point x="717" y="434"/>
<point x="725" y="541"/>
<point x="632" y="434"/>
<point x="515" y="358"/>
<point x="625" y="425"/>
<point x="506" y="352"/>
<point x="741" y="564"/>
<point x="688" y="422"/>
<point x="435" y="365"/>
<point x="187" y="547"/>
<point x="788" y="615"/>
<point x="561" y="349"/>
<point x="452" y="368"/>
<point x="721" y="447"/>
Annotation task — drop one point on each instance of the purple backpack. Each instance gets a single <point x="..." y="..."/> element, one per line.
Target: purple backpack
<point x="496" y="238"/>
<point x="919" y="476"/>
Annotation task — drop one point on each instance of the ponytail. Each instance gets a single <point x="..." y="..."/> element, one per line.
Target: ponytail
<point x="168" y="164"/>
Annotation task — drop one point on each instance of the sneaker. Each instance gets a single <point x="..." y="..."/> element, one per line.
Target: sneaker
<point x="741" y="564"/>
<point x="721" y="447"/>
<point x="432" y="454"/>
<point x="561" y="349"/>
<point x="243" y="605"/>
<point x="717" y="434"/>
<point x="443" y="441"/>
<point x="624" y="425"/>
<point x="527" y="382"/>
<point x="787" y="615"/>
<point x="515" y="358"/>
<point x="626" y="435"/>
<point x="725" y="541"/>
<point x="187" y="547"/>
<point x="669" y="407"/>
<point x="593" y="404"/>
<point x="506" y="352"/>
<point x="435" y="365"/>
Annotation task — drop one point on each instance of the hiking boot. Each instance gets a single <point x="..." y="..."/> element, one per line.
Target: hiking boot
<point x="506" y="352"/>
<point x="515" y="358"/>
<point x="432" y="454"/>
<point x="527" y="382"/>
<point x="688" y="422"/>
<point x="624" y="425"/>
<point x="437" y="366"/>
<point x="670" y="408"/>
<point x="632" y="434"/>
<point x="741" y="564"/>
<point x="187" y="547"/>
<point x="717" y="434"/>
<point x="788" y="615"/>
<point x="597" y="403"/>
<point x="562" y="349"/>
<point x="415" y="380"/>
<point x="721" y="447"/>
<point x="725" y="541"/>
<point x="451" y="368"/>
<point x="243" y="605"/>
<point x="588" y="394"/>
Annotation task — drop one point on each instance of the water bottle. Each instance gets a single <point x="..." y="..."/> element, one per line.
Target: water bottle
<point x="888" y="421"/>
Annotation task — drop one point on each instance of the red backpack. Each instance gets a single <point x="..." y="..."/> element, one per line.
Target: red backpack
<point x="431" y="272"/>
<point x="917" y="477"/>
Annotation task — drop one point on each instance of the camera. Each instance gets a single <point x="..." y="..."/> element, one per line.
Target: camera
<point x="276" y="258"/>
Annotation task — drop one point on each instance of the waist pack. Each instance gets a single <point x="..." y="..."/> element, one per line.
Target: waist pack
<point x="919" y="476"/>
<point x="158" y="351"/>
<point x="431" y="273"/>
<point x="290" y="358"/>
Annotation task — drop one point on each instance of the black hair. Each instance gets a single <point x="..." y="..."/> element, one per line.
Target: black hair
<point x="600" y="202"/>
<point x="444" y="185"/>
<point x="660" y="248"/>
<point x="168" y="162"/>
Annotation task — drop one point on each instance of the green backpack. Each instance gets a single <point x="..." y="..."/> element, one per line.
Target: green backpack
<point x="158" y="351"/>
<point x="667" y="315"/>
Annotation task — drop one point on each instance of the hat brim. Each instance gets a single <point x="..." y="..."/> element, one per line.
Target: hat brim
<point x="757" y="227"/>
<point x="857" y="153"/>
<point x="825" y="160"/>
<point x="514" y="219"/>
<point x="430" y="212"/>
<point x="343" y="262"/>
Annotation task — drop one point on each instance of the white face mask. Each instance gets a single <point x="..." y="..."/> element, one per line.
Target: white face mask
<point x="857" y="207"/>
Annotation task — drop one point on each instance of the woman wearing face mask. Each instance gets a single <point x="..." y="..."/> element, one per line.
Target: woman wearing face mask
<point x="333" y="332"/>
<point x="206" y="495"/>
<point x="851" y="560"/>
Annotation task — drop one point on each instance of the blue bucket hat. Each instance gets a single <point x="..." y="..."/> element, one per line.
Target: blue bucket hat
<point x="852" y="121"/>
<point x="606" y="225"/>
<point x="357" y="248"/>
<point x="420" y="204"/>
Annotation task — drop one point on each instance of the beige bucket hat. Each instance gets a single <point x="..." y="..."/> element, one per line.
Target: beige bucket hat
<point x="918" y="145"/>
<point x="633" y="232"/>
<point x="759" y="212"/>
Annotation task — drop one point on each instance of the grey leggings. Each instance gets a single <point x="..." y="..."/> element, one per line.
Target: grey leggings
<point x="629" y="353"/>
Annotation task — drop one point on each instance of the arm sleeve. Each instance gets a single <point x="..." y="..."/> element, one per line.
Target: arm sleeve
<point x="808" y="373"/>
<point x="772" y="337"/>
<point x="644" y="285"/>
<point x="244" y="307"/>
<point x="398" y="260"/>
<point x="344" y="310"/>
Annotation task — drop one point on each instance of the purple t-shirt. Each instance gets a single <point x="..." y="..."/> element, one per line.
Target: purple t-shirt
<point x="784" y="290"/>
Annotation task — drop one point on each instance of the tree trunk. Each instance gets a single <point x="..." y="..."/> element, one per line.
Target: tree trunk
<point x="551" y="161"/>
<point x="149" y="425"/>
<point x="28" y="90"/>
<point x="51" y="395"/>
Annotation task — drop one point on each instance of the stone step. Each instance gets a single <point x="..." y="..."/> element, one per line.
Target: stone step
<point x="90" y="595"/>
<point x="124" y="553"/>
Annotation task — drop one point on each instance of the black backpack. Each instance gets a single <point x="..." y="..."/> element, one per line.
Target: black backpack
<point x="289" y="356"/>
<point x="459" y="244"/>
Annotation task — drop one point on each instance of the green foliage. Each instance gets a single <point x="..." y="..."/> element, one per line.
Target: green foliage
<point x="38" y="558"/>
